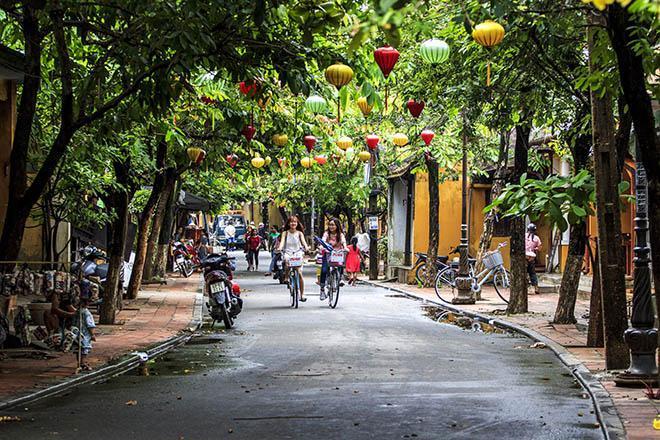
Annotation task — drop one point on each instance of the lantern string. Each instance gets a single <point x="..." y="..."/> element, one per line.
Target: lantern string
<point x="488" y="74"/>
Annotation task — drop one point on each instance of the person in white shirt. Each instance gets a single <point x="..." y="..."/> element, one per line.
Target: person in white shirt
<point x="292" y="241"/>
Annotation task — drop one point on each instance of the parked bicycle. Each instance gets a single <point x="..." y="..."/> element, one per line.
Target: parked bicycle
<point x="494" y="272"/>
<point x="442" y="262"/>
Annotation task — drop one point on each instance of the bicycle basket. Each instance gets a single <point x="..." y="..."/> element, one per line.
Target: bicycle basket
<point x="493" y="259"/>
<point x="294" y="260"/>
<point x="336" y="258"/>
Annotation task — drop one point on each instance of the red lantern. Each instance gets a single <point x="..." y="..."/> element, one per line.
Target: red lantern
<point x="427" y="136"/>
<point x="249" y="131"/>
<point x="310" y="142"/>
<point x="249" y="89"/>
<point x="372" y="141"/>
<point x="386" y="57"/>
<point x="320" y="159"/>
<point x="415" y="107"/>
<point x="232" y="159"/>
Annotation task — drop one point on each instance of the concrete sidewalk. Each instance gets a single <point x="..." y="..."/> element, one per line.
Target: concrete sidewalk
<point x="634" y="408"/>
<point x="158" y="314"/>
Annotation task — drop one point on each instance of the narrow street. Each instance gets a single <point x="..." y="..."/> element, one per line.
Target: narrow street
<point x="375" y="367"/>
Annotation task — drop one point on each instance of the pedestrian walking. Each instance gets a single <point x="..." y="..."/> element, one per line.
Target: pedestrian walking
<point x="252" y="246"/>
<point x="532" y="246"/>
<point x="353" y="261"/>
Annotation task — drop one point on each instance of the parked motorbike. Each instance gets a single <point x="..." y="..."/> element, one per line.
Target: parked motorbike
<point x="225" y="302"/>
<point x="182" y="259"/>
<point x="93" y="266"/>
<point x="279" y="273"/>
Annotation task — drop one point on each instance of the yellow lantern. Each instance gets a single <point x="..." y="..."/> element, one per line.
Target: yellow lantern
<point x="339" y="75"/>
<point x="344" y="142"/>
<point x="364" y="156"/>
<point x="364" y="106"/>
<point x="400" y="139"/>
<point x="268" y="160"/>
<point x="196" y="155"/>
<point x="306" y="162"/>
<point x="258" y="162"/>
<point x="489" y="34"/>
<point x="280" y="139"/>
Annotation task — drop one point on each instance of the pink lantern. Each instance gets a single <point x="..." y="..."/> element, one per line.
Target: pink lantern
<point x="415" y="107"/>
<point x="372" y="141"/>
<point x="249" y="131"/>
<point x="427" y="136"/>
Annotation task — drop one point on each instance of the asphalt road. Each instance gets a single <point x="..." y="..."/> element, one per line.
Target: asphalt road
<point x="375" y="367"/>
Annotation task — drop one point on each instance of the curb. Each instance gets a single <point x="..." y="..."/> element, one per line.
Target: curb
<point x="606" y="414"/>
<point x="114" y="369"/>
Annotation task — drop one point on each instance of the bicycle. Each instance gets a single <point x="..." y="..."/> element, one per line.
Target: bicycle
<point x="494" y="268"/>
<point x="336" y="262"/>
<point x="441" y="263"/>
<point x="293" y="263"/>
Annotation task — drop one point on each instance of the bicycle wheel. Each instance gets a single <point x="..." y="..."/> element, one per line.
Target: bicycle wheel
<point x="502" y="283"/>
<point x="420" y="272"/>
<point x="446" y="278"/>
<point x="293" y="287"/>
<point x="333" y="297"/>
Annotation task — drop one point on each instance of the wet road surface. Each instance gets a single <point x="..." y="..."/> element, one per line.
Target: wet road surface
<point x="374" y="368"/>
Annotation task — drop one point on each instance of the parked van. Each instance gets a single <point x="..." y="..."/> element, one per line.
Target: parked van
<point x="219" y="224"/>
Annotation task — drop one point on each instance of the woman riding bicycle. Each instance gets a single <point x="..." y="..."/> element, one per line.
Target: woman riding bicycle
<point x="335" y="238"/>
<point x="293" y="241"/>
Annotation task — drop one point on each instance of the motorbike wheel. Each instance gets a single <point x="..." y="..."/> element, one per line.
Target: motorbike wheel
<point x="189" y="268"/>
<point x="229" y="322"/>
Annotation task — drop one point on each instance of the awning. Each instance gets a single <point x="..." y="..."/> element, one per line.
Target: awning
<point x="190" y="202"/>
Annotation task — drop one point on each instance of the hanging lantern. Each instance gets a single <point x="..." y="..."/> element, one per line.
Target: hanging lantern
<point x="258" y="162"/>
<point x="310" y="142"/>
<point x="339" y="75"/>
<point x="427" y="136"/>
<point x="248" y="88"/>
<point x="434" y="51"/>
<point x="489" y="34"/>
<point x="232" y="159"/>
<point x="386" y="57"/>
<point x="196" y="155"/>
<point x="321" y="159"/>
<point x="282" y="162"/>
<point x="364" y="106"/>
<point x="268" y="160"/>
<point x="306" y="162"/>
<point x="315" y="104"/>
<point x="372" y="141"/>
<point x="400" y="139"/>
<point x="280" y="139"/>
<point x="249" y="131"/>
<point x="364" y="156"/>
<point x="350" y="152"/>
<point x="344" y="142"/>
<point x="415" y="107"/>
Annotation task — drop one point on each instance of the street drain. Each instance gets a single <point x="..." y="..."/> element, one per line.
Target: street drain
<point x="204" y="341"/>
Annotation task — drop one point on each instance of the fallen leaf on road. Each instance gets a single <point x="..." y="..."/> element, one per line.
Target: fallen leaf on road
<point x="537" y="345"/>
<point x="131" y="403"/>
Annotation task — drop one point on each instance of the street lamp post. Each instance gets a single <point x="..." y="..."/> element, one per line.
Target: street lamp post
<point x="463" y="280"/>
<point x="641" y="337"/>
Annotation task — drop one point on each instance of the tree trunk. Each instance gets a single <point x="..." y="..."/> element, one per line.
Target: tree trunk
<point x="283" y="214"/>
<point x="117" y="231"/>
<point x="633" y="84"/>
<point x="609" y="221"/>
<point x="595" y="330"/>
<point x="495" y="191"/>
<point x="264" y="214"/>
<point x="135" y="282"/>
<point x="152" y="242"/>
<point x="350" y="230"/>
<point x="160" y="262"/>
<point x="518" y="299"/>
<point x="570" y="280"/>
<point x="434" y="220"/>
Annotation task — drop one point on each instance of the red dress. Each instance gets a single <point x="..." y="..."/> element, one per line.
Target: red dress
<point x="353" y="259"/>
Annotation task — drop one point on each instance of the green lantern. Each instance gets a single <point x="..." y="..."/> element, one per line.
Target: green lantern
<point x="434" y="51"/>
<point x="315" y="104"/>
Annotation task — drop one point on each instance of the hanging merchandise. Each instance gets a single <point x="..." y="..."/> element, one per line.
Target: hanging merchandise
<point x="306" y="162"/>
<point x="248" y="131"/>
<point x="434" y="51"/>
<point x="363" y="105"/>
<point x="339" y="75"/>
<point x="232" y="160"/>
<point x="364" y="156"/>
<point x="321" y="159"/>
<point x="400" y="139"/>
<point x="386" y="57"/>
<point x="280" y="139"/>
<point x="427" y="136"/>
<point x="258" y="162"/>
<point x="196" y="155"/>
<point x="415" y="107"/>
<point x="488" y="34"/>
<point x="315" y="104"/>
<point x="372" y="141"/>
<point x="310" y="142"/>
<point x="344" y="142"/>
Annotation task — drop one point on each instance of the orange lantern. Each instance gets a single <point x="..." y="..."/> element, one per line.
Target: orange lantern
<point x="488" y="34"/>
